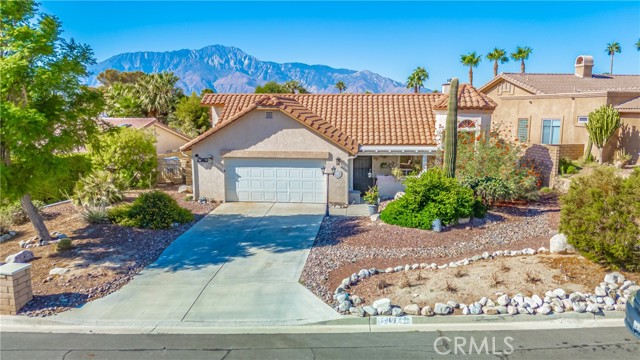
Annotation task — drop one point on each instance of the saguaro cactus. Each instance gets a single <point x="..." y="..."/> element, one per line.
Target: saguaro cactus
<point x="451" y="131"/>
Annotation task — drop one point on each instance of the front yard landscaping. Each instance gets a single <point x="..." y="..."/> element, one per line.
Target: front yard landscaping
<point x="104" y="257"/>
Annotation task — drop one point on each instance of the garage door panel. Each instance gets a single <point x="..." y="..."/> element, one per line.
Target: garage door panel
<point x="274" y="180"/>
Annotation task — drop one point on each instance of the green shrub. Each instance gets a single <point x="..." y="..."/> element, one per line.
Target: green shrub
<point x="479" y="208"/>
<point x="94" y="214"/>
<point x="427" y="197"/>
<point x="546" y="190"/>
<point x="600" y="216"/>
<point x="493" y="169"/>
<point x="56" y="185"/>
<point x="100" y="188"/>
<point x="567" y="167"/>
<point x="372" y="196"/>
<point x="151" y="210"/>
<point x="64" y="245"/>
<point x="129" y="153"/>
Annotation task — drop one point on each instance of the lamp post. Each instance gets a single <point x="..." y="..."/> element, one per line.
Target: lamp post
<point x="332" y="171"/>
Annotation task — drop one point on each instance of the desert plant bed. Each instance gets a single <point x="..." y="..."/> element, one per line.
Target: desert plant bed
<point x="345" y="245"/>
<point x="104" y="257"/>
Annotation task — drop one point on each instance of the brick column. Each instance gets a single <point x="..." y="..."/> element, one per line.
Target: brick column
<point x="15" y="287"/>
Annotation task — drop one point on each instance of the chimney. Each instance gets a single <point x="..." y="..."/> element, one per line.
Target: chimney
<point x="445" y="86"/>
<point x="584" y="66"/>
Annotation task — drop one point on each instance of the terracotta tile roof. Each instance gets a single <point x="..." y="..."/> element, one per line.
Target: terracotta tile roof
<point x="137" y="123"/>
<point x="632" y="105"/>
<point x="141" y="123"/>
<point x="368" y="119"/>
<point x="568" y="83"/>
<point x="468" y="99"/>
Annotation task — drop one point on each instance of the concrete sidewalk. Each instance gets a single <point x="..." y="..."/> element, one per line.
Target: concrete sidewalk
<point x="239" y="266"/>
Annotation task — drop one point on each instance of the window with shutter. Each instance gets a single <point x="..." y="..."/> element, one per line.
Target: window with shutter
<point x="523" y="130"/>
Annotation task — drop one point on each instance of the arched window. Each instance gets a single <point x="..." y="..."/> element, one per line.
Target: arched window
<point x="467" y="125"/>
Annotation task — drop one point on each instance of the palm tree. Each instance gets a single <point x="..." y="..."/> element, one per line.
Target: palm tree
<point x="293" y="86"/>
<point x="611" y="49"/>
<point x="522" y="54"/>
<point x="341" y="86"/>
<point x="417" y="78"/>
<point x="471" y="60"/>
<point x="497" y="55"/>
<point x="159" y="94"/>
<point x="638" y="45"/>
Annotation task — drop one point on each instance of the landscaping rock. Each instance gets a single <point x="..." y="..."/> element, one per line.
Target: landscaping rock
<point x="23" y="256"/>
<point x="545" y="309"/>
<point x="374" y="217"/>
<point x="453" y="304"/>
<point x="501" y="309"/>
<point x="412" y="309"/>
<point x="504" y="300"/>
<point x="537" y="299"/>
<point x="560" y="293"/>
<point x="512" y="310"/>
<point x="398" y="195"/>
<point x="483" y="301"/>
<point x="475" y="308"/>
<point x="341" y="297"/>
<point x="369" y="310"/>
<point x="609" y="301"/>
<point x="600" y="291"/>
<point x="345" y="306"/>
<point x="592" y="308"/>
<point x="388" y="270"/>
<point x="357" y="311"/>
<point x="185" y="189"/>
<point x="614" y="278"/>
<point x="465" y="310"/>
<point x="489" y="310"/>
<point x="356" y="300"/>
<point x="381" y="303"/>
<point x="442" y="309"/>
<point x="58" y="271"/>
<point x="559" y="245"/>
<point x="396" y="311"/>
<point x="427" y="311"/>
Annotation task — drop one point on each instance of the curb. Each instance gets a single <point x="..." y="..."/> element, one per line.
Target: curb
<point x="346" y="324"/>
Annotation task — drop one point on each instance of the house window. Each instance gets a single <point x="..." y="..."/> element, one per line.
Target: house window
<point x="583" y="119"/>
<point x="523" y="130"/>
<point x="550" y="131"/>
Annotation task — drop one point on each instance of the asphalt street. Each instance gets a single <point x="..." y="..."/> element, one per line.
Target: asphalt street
<point x="591" y="343"/>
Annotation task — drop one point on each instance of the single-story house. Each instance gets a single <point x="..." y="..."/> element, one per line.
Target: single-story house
<point x="553" y="109"/>
<point x="168" y="140"/>
<point x="273" y="147"/>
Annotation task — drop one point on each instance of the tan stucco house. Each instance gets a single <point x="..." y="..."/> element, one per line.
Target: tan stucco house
<point x="552" y="109"/>
<point x="272" y="148"/>
<point x="168" y="140"/>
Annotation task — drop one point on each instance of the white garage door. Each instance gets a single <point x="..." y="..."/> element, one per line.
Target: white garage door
<point x="274" y="180"/>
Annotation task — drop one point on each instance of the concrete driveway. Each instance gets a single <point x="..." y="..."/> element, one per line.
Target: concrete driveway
<point x="239" y="265"/>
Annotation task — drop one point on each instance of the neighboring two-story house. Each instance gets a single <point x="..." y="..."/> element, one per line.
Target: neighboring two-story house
<point x="553" y="109"/>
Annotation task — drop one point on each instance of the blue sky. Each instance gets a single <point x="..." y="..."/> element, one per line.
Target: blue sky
<point x="387" y="38"/>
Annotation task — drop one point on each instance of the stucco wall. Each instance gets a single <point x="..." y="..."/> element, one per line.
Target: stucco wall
<point x="167" y="141"/>
<point x="565" y="108"/>
<point x="254" y="132"/>
<point x="629" y="135"/>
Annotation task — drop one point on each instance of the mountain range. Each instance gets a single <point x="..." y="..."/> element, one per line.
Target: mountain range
<point x="227" y="69"/>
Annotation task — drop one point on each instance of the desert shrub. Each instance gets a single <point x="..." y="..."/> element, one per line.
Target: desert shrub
<point x="64" y="245"/>
<point x="94" y="213"/>
<point x="427" y="197"/>
<point x="567" y="167"/>
<point x="55" y="185"/>
<point x="479" y="208"/>
<point x="546" y="190"/>
<point x="493" y="169"/>
<point x="128" y="153"/>
<point x="600" y="216"/>
<point x="372" y="196"/>
<point x="151" y="210"/>
<point x="98" y="188"/>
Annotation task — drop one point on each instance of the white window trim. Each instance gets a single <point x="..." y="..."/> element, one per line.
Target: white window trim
<point x="542" y="130"/>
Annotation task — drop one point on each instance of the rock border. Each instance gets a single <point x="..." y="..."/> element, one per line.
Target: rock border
<point x="611" y="295"/>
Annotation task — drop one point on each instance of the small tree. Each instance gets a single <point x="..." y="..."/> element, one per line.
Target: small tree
<point x="451" y="131"/>
<point x="45" y="110"/>
<point x="128" y="153"/>
<point x="190" y="117"/>
<point x="603" y="123"/>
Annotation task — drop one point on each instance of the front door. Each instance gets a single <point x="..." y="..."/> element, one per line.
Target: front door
<point x="362" y="167"/>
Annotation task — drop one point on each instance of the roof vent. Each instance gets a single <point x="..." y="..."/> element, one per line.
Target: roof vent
<point x="269" y="115"/>
<point x="584" y="66"/>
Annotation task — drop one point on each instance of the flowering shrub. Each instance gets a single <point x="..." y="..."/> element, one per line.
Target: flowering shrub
<point x="493" y="169"/>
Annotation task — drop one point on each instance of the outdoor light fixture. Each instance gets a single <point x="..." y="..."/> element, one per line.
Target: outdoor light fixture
<point x="338" y="159"/>
<point x="203" y="159"/>
<point x="326" y="173"/>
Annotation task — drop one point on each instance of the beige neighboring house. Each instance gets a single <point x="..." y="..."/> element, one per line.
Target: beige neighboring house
<point x="167" y="139"/>
<point x="272" y="148"/>
<point x="552" y="109"/>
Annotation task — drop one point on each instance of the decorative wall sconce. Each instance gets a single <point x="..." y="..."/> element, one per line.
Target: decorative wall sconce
<point x="203" y="159"/>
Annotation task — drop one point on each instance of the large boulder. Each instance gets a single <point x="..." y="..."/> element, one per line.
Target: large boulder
<point x="23" y="256"/>
<point x="442" y="309"/>
<point x="559" y="245"/>
<point x="185" y="189"/>
<point x="412" y="309"/>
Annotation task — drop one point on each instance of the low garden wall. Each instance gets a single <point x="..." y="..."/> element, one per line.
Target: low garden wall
<point x="547" y="157"/>
<point x="176" y="171"/>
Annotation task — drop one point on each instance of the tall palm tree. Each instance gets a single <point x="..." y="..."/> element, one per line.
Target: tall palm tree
<point x="497" y="55"/>
<point x="159" y="94"/>
<point x="638" y="45"/>
<point x="417" y="78"/>
<point x="293" y="86"/>
<point x="341" y="86"/>
<point x="521" y="54"/>
<point x="471" y="60"/>
<point x="611" y="49"/>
